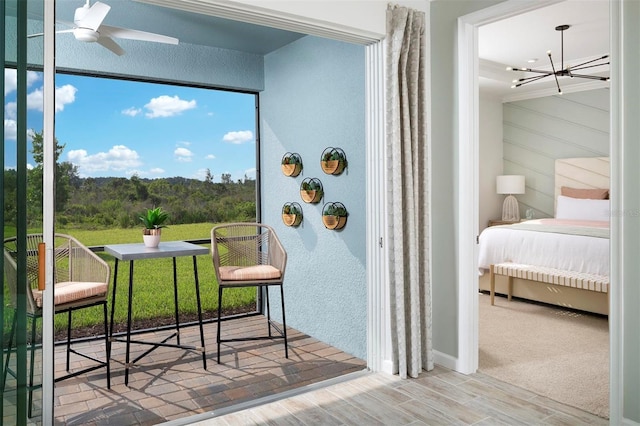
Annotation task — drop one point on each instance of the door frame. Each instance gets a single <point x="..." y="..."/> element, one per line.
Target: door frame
<point x="468" y="196"/>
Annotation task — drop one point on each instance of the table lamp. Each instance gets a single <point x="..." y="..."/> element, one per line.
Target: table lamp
<point x="510" y="184"/>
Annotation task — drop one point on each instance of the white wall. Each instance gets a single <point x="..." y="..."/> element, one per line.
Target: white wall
<point x="490" y="160"/>
<point x="539" y="131"/>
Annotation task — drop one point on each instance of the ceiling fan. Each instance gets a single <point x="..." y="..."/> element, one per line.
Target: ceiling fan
<point x="87" y="26"/>
<point x="567" y="71"/>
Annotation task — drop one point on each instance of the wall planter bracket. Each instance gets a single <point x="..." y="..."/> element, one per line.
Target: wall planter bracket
<point x="292" y="214"/>
<point x="333" y="161"/>
<point x="311" y="190"/>
<point x="291" y="164"/>
<point x="334" y="215"/>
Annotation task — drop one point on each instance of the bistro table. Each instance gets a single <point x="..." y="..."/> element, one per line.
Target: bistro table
<point x="173" y="249"/>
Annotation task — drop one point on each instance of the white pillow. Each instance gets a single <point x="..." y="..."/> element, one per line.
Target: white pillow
<point x="582" y="209"/>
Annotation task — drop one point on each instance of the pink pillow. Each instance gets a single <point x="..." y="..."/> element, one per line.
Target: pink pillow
<point x="591" y="193"/>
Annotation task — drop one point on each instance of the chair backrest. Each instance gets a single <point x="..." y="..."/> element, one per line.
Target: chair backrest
<point x="247" y="244"/>
<point x="72" y="262"/>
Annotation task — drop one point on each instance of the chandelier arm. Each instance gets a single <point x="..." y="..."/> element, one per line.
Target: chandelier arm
<point x="533" y="78"/>
<point x="593" y="60"/>
<point x="590" y="77"/>
<point x="524" y="81"/>
<point x="555" y="74"/>
<point x="589" y="66"/>
<point x="529" y="70"/>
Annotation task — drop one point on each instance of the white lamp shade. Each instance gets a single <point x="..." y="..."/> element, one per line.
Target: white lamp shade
<point x="510" y="184"/>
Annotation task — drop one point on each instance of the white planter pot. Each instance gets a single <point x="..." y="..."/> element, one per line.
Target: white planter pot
<point x="151" y="241"/>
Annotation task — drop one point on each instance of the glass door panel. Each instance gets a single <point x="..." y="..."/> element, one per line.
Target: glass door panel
<point x="21" y="342"/>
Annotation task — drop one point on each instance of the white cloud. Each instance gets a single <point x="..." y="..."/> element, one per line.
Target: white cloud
<point x="117" y="158"/>
<point x="11" y="79"/>
<point x="183" y="155"/>
<point x="167" y="106"/>
<point x="238" y="137"/>
<point x="10" y="110"/>
<point x="210" y="157"/>
<point x="64" y="95"/>
<point x="10" y="129"/>
<point x="184" y="143"/>
<point x="250" y="173"/>
<point x="156" y="171"/>
<point x="131" y="112"/>
<point x="200" y="174"/>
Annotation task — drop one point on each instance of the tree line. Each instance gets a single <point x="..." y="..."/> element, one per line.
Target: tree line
<point x="110" y="202"/>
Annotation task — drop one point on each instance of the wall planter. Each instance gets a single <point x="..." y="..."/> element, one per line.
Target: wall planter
<point x="333" y="161"/>
<point x="291" y="164"/>
<point x="311" y="190"/>
<point x="334" y="215"/>
<point x="292" y="214"/>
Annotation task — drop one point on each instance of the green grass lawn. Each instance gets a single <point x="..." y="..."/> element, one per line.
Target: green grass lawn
<point x="153" y="280"/>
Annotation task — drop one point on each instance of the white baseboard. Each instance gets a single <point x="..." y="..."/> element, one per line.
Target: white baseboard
<point x="445" y="360"/>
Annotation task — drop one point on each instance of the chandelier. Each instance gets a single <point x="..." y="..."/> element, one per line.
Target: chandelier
<point x="568" y="71"/>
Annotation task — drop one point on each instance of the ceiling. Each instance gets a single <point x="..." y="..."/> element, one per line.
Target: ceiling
<point x="514" y="41"/>
<point x="511" y="41"/>
<point x="188" y="27"/>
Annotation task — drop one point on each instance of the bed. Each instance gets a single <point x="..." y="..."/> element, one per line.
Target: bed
<point x="575" y="241"/>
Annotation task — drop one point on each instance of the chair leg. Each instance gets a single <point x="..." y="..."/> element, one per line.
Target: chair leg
<point x="219" y="319"/>
<point x="284" y="323"/>
<point x="69" y="340"/>
<point x="9" y="348"/>
<point x="31" y="367"/>
<point x="106" y="342"/>
<point x="266" y="295"/>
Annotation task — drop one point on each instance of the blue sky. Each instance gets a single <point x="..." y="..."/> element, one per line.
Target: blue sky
<point x="120" y="128"/>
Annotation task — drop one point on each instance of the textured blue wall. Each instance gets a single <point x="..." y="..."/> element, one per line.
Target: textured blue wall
<point x="314" y="98"/>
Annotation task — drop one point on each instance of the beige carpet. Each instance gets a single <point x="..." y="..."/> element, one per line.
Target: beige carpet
<point x="556" y="353"/>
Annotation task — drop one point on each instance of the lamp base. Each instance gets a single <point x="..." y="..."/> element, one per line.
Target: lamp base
<point x="510" y="209"/>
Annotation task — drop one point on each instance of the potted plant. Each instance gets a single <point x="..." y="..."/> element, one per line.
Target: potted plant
<point x="333" y="161"/>
<point x="334" y="215"/>
<point x="291" y="164"/>
<point x="292" y="214"/>
<point x="154" y="220"/>
<point x="311" y="190"/>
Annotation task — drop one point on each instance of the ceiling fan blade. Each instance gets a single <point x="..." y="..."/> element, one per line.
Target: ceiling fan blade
<point x="57" y="32"/>
<point x="93" y="17"/>
<point x="135" y="35"/>
<point x="111" y="45"/>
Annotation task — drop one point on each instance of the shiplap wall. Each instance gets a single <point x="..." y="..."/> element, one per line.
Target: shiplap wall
<point x="538" y="131"/>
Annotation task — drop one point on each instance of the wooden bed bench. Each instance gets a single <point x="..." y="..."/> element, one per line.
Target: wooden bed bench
<point x="579" y="280"/>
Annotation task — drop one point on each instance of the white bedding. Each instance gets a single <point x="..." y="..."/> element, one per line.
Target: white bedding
<point x="567" y="251"/>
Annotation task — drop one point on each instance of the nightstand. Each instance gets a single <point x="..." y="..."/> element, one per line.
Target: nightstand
<point x="494" y="222"/>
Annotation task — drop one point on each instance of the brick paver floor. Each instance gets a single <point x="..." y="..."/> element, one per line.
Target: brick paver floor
<point x="170" y="383"/>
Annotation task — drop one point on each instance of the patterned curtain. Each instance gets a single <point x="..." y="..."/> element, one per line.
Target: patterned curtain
<point x="408" y="190"/>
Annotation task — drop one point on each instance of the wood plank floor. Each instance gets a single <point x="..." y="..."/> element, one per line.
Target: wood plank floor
<point x="440" y="397"/>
